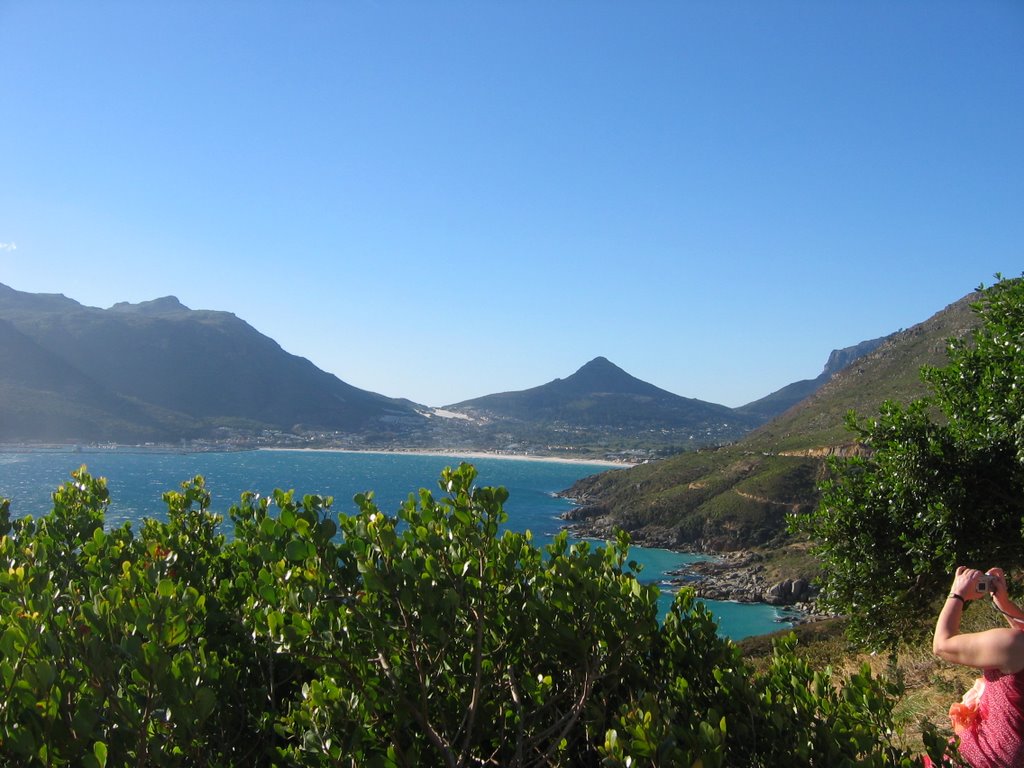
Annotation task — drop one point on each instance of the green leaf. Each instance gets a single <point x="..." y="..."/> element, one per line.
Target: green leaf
<point x="297" y="550"/>
<point x="99" y="751"/>
<point x="165" y="588"/>
<point x="327" y="529"/>
<point x="176" y="631"/>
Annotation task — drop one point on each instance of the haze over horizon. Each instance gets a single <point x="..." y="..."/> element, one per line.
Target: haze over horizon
<point x="448" y="200"/>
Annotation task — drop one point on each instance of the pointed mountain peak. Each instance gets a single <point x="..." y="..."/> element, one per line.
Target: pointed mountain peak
<point x="600" y="374"/>
<point x="600" y="364"/>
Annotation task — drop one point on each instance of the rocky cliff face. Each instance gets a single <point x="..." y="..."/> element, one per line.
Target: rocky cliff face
<point x="840" y="358"/>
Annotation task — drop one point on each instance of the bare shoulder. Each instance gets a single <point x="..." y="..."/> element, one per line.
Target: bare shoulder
<point x="1008" y="644"/>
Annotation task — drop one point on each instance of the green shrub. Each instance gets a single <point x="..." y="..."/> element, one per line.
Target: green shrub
<point x="941" y="484"/>
<point x="425" y="638"/>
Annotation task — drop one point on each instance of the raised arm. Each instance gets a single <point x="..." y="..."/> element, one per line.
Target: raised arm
<point x="1001" y="649"/>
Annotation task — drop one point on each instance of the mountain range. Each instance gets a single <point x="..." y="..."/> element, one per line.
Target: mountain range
<point x="158" y="371"/>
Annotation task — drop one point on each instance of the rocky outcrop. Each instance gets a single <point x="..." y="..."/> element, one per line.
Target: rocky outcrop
<point x="788" y="592"/>
<point x="596" y="522"/>
<point x="845" y="451"/>
<point x="740" y="576"/>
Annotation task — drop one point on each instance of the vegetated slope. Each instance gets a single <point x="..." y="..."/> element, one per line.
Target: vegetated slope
<point x="739" y="495"/>
<point x="164" y="371"/>
<point x="600" y="396"/>
<point x="891" y="372"/>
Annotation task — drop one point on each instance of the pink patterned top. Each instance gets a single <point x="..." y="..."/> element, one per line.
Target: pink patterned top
<point x="996" y="739"/>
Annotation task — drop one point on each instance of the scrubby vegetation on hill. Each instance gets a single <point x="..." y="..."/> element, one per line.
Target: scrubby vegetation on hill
<point x="738" y="496"/>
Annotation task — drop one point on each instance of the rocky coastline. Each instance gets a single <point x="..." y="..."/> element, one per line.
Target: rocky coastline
<point x="737" y="575"/>
<point x="741" y="577"/>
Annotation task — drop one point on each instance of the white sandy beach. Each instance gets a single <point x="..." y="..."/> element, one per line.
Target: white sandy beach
<point x="466" y="455"/>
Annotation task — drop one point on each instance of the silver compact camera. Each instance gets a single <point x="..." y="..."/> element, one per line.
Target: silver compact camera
<point x="984" y="584"/>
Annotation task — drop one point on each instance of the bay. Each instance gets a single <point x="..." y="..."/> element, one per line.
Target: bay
<point x="137" y="479"/>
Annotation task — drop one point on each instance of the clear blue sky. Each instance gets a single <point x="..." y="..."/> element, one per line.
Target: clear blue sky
<point x="442" y="200"/>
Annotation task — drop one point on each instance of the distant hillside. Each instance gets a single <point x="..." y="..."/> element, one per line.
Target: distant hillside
<point x="601" y="393"/>
<point x="44" y="398"/>
<point x="781" y="400"/>
<point x="602" y="401"/>
<point x="739" y="495"/>
<point x="161" y="371"/>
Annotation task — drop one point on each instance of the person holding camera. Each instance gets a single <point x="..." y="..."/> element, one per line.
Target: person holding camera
<point x="990" y="720"/>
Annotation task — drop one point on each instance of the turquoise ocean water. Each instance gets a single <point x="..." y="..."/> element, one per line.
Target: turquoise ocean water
<point x="138" y="479"/>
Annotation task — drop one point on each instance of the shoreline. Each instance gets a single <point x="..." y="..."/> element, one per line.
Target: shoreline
<point x="455" y="454"/>
<point x="737" y="576"/>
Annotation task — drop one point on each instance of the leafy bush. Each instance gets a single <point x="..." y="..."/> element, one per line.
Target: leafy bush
<point x="427" y="638"/>
<point x="942" y="484"/>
